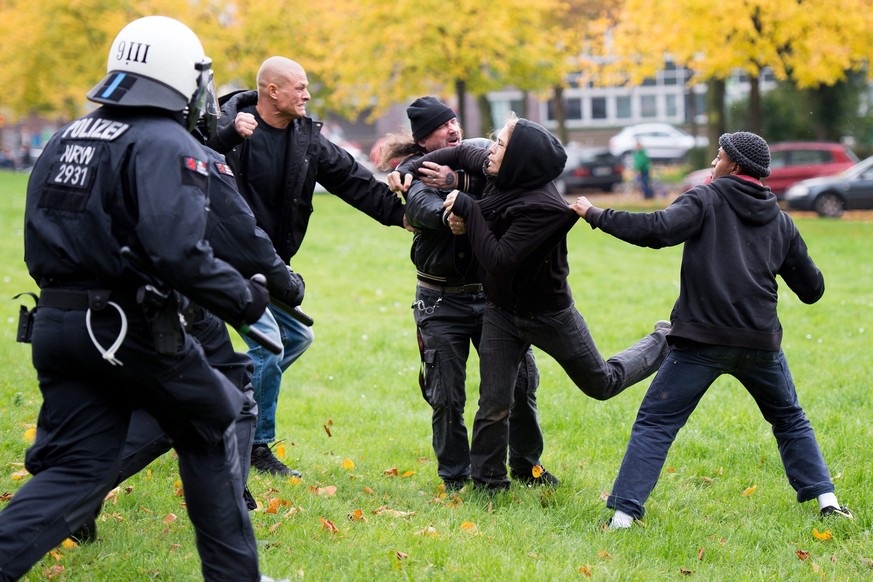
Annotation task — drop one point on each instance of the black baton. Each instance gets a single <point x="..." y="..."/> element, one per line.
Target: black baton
<point x="248" y="331"/>
<point x="292" y="311"/>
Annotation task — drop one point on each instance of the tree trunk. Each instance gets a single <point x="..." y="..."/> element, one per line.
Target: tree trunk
<point x="716" y="125"/>
<point x="486" y="115"/>
<point x="755" y="120"/>
<point x="560" y="113"/>
<point x="461" y="96"/>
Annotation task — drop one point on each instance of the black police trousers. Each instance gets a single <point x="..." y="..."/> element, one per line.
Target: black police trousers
<point x="83" y="424"/>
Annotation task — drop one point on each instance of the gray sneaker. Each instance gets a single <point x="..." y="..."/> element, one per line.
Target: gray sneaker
<point x="663" y="326"/>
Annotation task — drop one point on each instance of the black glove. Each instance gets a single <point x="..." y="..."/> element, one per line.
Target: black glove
<point x="293" y="294"/>
<point x="259" y="301"/>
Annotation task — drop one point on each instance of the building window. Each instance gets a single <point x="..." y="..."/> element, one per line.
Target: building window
<point x="648" y="106"/>
<point x="670" y="102"/>
<point x="623" y="107"/>
<point x="598" y="108"/>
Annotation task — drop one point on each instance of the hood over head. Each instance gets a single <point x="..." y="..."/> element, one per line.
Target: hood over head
<point x="533" y="157"/>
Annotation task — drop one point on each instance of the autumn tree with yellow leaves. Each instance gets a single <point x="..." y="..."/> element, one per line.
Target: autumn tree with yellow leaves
<point x="812" y="43"/>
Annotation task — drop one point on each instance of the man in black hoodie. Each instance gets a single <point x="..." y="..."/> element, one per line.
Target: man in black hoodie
<point x="519" y="234"/>
<point x="724" y="322"/>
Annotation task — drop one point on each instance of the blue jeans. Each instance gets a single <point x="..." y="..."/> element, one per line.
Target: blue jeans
<point x="267" y="377"/>
<point x="564" y="335"/>
<point x="688" y="371"/>
<point x="447" y="323"/>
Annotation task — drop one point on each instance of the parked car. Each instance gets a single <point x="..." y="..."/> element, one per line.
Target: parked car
<point x="661" y="141"/>
<point x="791" y="162"/>
<point x="851" y="189"/>
<point x="589" y="168"/>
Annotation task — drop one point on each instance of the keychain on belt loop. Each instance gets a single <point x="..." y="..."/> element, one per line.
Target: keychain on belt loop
<point x="427" y="310"/>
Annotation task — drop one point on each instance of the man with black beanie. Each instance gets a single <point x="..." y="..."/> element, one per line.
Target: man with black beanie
<point x="449" y="304"/>
<point x="724" y="322"/>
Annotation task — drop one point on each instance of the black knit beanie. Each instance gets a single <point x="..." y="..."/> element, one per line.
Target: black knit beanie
<point x="426" y="114"/>
<point x="750" y="151"/>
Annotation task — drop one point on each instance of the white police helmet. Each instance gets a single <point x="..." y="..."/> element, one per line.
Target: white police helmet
<point x="155" y="61"/>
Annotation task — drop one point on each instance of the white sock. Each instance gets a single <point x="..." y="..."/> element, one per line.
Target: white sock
<point x="620" y="520"/>
<point x="827" y="500"/>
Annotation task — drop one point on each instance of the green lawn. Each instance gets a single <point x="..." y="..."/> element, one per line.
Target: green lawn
<point x="352" y="418"/>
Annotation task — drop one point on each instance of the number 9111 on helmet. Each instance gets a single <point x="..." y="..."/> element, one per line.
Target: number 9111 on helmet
<point x="156" y="61"/>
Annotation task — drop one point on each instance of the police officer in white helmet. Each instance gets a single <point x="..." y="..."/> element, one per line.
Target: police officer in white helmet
<point x="107" y="337"/>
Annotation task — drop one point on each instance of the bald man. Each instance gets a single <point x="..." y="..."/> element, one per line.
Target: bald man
<point x="277" y="154"/>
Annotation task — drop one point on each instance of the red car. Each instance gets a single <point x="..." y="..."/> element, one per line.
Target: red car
<point x="793" y="161"/>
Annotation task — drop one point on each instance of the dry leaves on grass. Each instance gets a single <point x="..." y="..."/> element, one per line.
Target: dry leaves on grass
<point x="326" y="491"/>
<point x="825" y="535"/>
<point x="328" y="525"/>
<point x="385" y="510"/>
<point x="750" y="490"/>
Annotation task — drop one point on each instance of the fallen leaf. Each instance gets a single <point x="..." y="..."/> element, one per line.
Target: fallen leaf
<point x="604" y="495"/>
<point x="392" y="472"/>
<point x="357" y="515"/>
<point x="825" y="535"/>
<point x="604" y="555"/>
<point x="368" y="491"/>
<point x="750" y="490"/>
<point x="815" y="567"/>
<point x="585" y="570"/>
<point x="53" y="571"/>
<point x="293" y="511"/>
<point x="326" y="491"/>
<point x="56" y="555"/>
<point x="348" y="464"/>
<point x="803" y="555"/>
<point x="707" y="480"/>
<point x="385" y="510"/>
<point x="327" y="430"/>
<point x="329" y="422"/>
<point x="280" y="451"/>
<point x="429" y="531"/>
<point x="69" y="544"/>
<point x="686" y="572"/>
<point x="536" y="471"/>
<point x="328" y="525"/>
<point x="407" y="474"/>
<point x="424" y="459"/>
<point x="469" y="527"/>
<point x="5" y="496"/>
<point x="295" y="480"/>
<point x="170" y="518"/>
<point x="175" y="547"/>
<point x="19" y="475"/>
<point x="671" y="469"/>
<point x="700" y="553"/>
<point x="30" y="435"/>
<point x="275" y="526"/>
<point x="400" y="555"/>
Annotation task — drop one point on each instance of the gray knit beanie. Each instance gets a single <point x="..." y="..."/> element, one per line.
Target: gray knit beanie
<point x="426" y="114"/>
<point x="750" y="151"/>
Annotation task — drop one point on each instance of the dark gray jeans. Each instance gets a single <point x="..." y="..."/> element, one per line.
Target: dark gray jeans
<point x="448" y="323"/>
<point x="563" y="335"/>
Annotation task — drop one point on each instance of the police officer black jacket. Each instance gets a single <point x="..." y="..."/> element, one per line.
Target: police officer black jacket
<point x="88" y="208"/>
<point x="310" y="158"/>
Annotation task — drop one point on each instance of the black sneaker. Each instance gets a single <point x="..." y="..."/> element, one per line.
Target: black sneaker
<point x="454" y="484"/>
<point x="86" y="534"/>
<point x="545" y="479"/>
<point x="265" y="461"/>
<point x="841" y="511"/>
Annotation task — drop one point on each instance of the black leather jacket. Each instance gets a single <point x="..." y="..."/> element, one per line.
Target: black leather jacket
<point x="310" y="158"/>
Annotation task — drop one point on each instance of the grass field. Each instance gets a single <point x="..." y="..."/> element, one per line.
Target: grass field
<point x="354" y="422"/>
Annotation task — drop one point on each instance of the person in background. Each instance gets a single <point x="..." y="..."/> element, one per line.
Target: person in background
<point x="736" y="241"/>
<point x="643" y="168"/>
<point x="519" y="235"/>
<point x="449" y="304"/>
<point x="278" y="154"/>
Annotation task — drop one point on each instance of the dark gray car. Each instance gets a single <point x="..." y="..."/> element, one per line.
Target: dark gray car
<point x="851" y="189"/>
